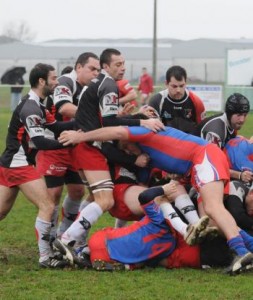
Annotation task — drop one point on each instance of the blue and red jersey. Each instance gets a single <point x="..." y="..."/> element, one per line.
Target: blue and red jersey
<point x="177" y="152"/>
<point x="178" y="158"/>
<point x="239" y="152"/>
<point x="143" y="240"/>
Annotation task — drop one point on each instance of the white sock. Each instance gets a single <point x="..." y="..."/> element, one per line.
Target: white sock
<point x="42" y="229"/>
<point x="87" y="217"/>
<point x="54" y="222"/>
<point x="170" y="214"/>
<point x="70" y="209"/>
<point x="187" y="208"/>
<point x="83" y="204"/>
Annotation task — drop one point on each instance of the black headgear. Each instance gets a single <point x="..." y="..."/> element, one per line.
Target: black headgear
<point x="237" y="104"/>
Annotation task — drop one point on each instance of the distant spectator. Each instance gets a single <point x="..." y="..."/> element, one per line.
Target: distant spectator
<point x="16" y="92"/>
<point x="145" y="86"/>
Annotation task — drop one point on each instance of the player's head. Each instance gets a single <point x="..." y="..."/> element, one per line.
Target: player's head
<point x="176" y="77"/>
<point x="66" y="70"/>
<point x="236" y="108"/>
<point x="178" y="72"/>
<point x="43" y="78"/>
<point x="112" y="61"/>
<point x="87" y="67"/>
<point x="237" y="104"/>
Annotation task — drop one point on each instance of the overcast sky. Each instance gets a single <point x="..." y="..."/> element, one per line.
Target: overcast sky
<point x="182" y="19"/>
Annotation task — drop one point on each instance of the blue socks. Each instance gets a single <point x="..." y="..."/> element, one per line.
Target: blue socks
<point x="237" y="244"/>
<point x="248" y="240"/>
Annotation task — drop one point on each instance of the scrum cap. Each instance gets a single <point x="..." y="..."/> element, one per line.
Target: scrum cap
<point x="237" y="104"/>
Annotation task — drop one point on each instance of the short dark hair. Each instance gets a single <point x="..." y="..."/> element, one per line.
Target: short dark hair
<point x="84" y="57"/>
<point x="66" y="70"/>
<point x="39" y="71"/>
<point x="176" y="71"/>
<point x="106" y="56"/>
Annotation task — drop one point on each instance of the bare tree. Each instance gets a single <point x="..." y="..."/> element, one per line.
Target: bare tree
<point x="19" y="30"/>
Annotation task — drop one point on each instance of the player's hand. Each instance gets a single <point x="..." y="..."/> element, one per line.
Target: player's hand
<point x="70" y="137"/>
<point x="127" y="110"/>
<point x="246" y="176"/>
<point x="153" y="124"/>
<point x="170" y="188"/>
<point x="142" y="160"/>
<point x="148" y="111"/>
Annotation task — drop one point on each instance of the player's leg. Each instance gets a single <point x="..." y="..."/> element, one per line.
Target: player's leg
<point x="36" y="192"/>
<point x="72" y="200"/>
<point x="184" y="203"/>
<point x="7" y="199"/>
<point x="212" y="196"/>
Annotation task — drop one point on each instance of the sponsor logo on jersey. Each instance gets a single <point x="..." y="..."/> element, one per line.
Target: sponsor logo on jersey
<point x="111" y="99"/>
<point x="62" y="90"/>
<point x="166" y="115"/>
<point x="34" y="121"/>
<point x="188" y="113"/>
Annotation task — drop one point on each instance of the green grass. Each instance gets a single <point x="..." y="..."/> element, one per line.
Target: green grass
<point x="21" y="278"/>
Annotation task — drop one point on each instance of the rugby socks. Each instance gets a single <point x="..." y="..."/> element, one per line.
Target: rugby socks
<point x="54" y="222"/>
<point x="248" y="240"/>
<point x="83" y="204"/>
<point x="170" y="214"/>
<point x="70" y="209"/>
<point x="187" y="208"/>
<point x="42" y="229"/>
<point x="237" y="244"/>
<point x="87" y="217"/>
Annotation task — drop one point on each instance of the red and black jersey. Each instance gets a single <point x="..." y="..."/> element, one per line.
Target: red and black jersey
<point x="28" y="121"/>
<point x="99" y="105"/>
<point x="216" y="129"/>
<point x="182" y="114"/>
<point x="67" y="91"/>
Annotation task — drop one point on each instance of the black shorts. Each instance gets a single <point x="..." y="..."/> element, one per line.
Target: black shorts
<point x="70" y="177"/>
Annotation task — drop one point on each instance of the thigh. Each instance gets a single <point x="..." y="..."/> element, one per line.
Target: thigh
<point x="131" y="199"/>
<point x="7" y="199"/>
<point x="36" y="192"/>
<point x="95" y="176"/>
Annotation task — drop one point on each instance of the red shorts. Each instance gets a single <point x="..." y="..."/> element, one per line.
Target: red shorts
<point x="97" y="245"/>
<point x="119" y="209"/>
<point x="55" y="162"/>
<point x="89" y="158"/>
<point x="184" y="256"/>
<point x="11" y="177"/>
<point x="210" y="164"/>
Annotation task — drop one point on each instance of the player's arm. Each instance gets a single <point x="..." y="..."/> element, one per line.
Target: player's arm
<point x="117" y="156"/>
<point x="131" y="95"/>
<point x="68" y="110"/>
<point x="155" y="101"/>
<point x="63" y="97"/>
<point x="101" y="134"/>
<point x="199" y="107"/>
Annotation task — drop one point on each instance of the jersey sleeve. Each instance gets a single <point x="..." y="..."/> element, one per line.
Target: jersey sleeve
<point x="199" y="106"/>
<point x="124" y="87"/>
<point x="155" y="102"/>
<point x="214" y="132"/>
<point x="108" y="98"/>
<point x="64" y="91"/>
<point x="32" y="117"/>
